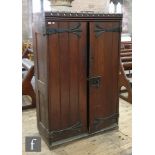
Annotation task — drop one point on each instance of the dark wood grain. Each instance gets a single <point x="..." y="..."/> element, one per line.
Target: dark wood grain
<point x="104" y="63"/>
<point x="67" y="78"/>
<point x="68" y="53"/>
<point x="54" y="78"/>
<point x="64" y="74"/>
<point x="41" y="70"/>
<point x="74" y="75"/>
<point x="41" y="79"/>
<point x="82" y="65"/>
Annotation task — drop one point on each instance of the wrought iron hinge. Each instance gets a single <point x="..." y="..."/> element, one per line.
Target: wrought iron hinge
<point x="101" y="120"/>
<point x="76" y="127"/>
<point x="99" y="30"/>
<point x="95" y="81"/>
<point x="75" y="30"/>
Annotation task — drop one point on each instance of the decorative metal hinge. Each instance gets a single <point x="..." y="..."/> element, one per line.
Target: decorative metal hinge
<point x="101" y="120"/>
<point x="76" y="128"/>
<point x="99" y="30"/>
<point x="95" y="81"/>
<point x="75" y="30"/>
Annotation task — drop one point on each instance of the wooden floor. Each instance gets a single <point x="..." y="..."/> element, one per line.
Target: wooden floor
<point x="116" y="142"/>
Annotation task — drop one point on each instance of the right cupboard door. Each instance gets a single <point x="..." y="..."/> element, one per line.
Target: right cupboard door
<point x="103" y="75"/>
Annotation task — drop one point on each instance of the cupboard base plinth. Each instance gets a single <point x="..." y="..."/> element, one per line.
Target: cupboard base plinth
<point x="48" y="139"/>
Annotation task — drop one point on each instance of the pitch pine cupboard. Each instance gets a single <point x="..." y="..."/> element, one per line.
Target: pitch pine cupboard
<point x="76" y="71"/>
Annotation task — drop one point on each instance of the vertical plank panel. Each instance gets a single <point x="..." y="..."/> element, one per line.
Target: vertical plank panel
<point x="64" y="74"/>
<point x="115" y="67"/>
<point x="100" y="69"/>
<point x="54" y="78"/>
<point x="83" y="77"/>
<point x="74" y="75"/>
<point x="92" y="91"/>
<point x="108" y="71"/>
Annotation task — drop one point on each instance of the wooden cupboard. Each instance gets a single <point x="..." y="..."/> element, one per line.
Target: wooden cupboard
<point x="76" y="71"/>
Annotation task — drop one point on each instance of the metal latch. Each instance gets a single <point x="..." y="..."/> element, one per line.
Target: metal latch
<point x="95" y="81"/>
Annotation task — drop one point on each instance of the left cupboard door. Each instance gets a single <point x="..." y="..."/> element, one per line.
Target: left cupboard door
<point x="67" y="78"/>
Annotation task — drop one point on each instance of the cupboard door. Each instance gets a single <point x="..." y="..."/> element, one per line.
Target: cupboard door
<point x="67" y="78"/>
<point x="103" y="75"/>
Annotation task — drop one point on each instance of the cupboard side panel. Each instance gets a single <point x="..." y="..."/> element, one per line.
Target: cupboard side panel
<point x="40" y="59"/>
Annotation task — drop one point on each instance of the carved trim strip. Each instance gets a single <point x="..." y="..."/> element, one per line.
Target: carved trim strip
<point x="82" y="14"/>
<point x="99" y="30"/>
<point x="75" y="30"/>
<point x="99" y="121"/>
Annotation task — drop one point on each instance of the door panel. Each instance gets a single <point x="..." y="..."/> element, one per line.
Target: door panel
<point x="104" y="64"/>
<point x="67" y="78"/>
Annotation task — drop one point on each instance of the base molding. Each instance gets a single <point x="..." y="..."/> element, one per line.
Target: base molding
<point x="45" y="134"/>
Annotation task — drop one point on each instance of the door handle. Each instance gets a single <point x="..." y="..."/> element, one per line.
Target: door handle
<point x="95" y="81"/>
